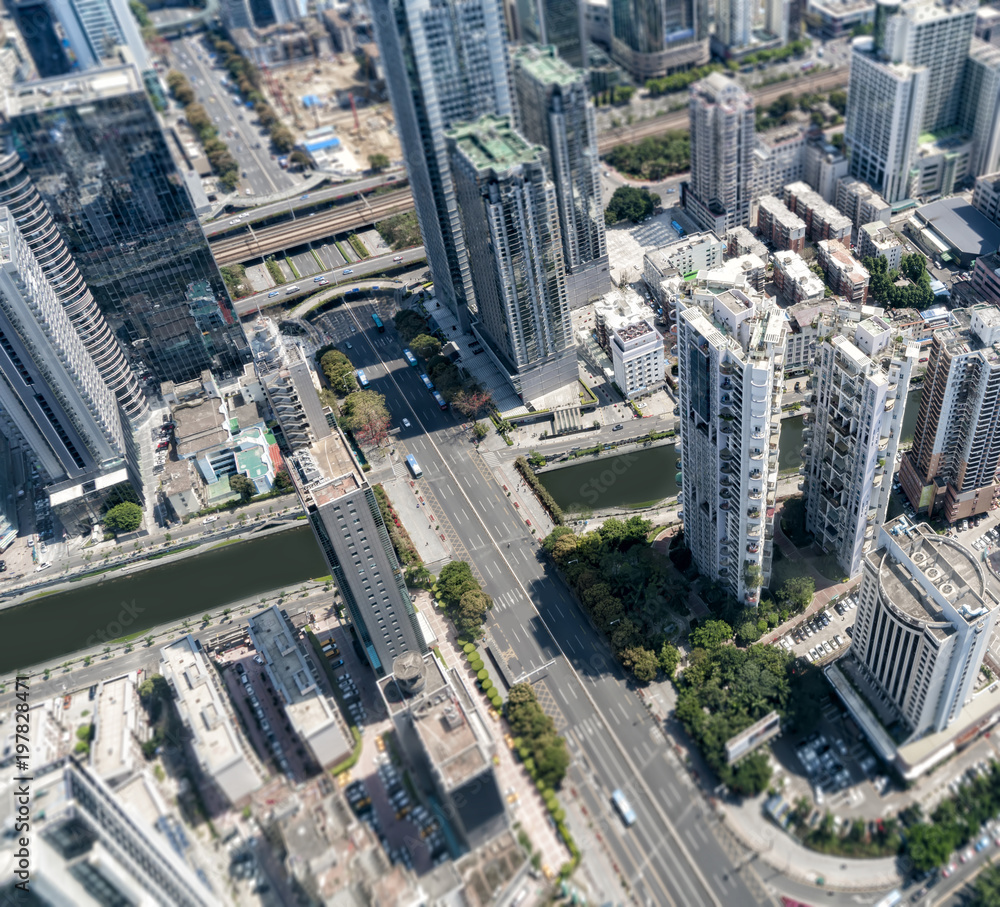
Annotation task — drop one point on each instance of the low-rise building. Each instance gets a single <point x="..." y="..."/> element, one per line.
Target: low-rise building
<point x="823" y="220"/>
<point x="740" y="241"/>
<point x="688" y="254"/>
<point x="846" y="276"/>
<point x="637" y="354"/>
<point x="295" y="676"/>
<point x="840" y="17"/>
<point x="222" y="755"/>
<point x="986" y="277"/>
<point x="118" y="722"/>
<point x="782" y="228"/>
<point x="953" y="230"/>
<point x="742" y="272"/>
<point x="862" y="204"/>
<point x="807" y="322"/>
<point x="941" y="163"/>
<point x="876" y="240"/>
<point x="794" y="279"/>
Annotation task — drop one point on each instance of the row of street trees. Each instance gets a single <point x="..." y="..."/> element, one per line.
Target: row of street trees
<point x="463" y="598"/>
<point x="223" y="163"/>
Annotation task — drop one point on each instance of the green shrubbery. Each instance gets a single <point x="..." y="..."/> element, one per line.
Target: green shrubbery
<point x="405" y="549"/>
<point x="536" y="737"/>
<point x="541" y="492"/>
<point x="460" y="594"/>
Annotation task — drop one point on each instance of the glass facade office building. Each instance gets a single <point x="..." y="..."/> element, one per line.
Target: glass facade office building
<point x="95" y="151"/>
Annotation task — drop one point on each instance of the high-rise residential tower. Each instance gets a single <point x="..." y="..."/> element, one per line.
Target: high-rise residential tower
<point x="955" y="456"/>
<point x="36" y="225"/>
<point x="981" y="107"/>
<point x="510" y="218"/>
<point x="925" y="615"/>
<point x="445" y="63"/>
<point x="53" y="401"/>
<point x="853" y="436"/>
<point x="554" y="111"/>
<point x="93" y="28"/>
<point x="734" y="23"/>
<point x="95" y="151"/>
<point x="730" y="348"/>
<point x="558" y="23"/>
<point x="721" y="188"/>
<point x="652" y="38"/>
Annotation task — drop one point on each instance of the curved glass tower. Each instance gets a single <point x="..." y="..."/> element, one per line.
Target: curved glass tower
<point x="35" y="223"/>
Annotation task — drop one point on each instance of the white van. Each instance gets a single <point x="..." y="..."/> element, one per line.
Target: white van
<point x="291" y="290"/>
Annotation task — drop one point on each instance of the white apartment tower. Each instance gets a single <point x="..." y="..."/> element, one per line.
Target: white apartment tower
<point x="925" y="617"/>
<point x="730" y="367"/>
<point x="852" y="438"/>
<point x="637" y="357"/>
<point x="734" y="23"/>
<point x="981" y="106"/>
<point x="509" y="209"/>
<point x="554" y="111"/>
<point x="719" y="194"/>
<point x="445" y="63"/>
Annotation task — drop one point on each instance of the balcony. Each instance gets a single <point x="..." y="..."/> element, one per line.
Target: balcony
<point x="725" y="384"/>
<point x="726" y="454"/>
<point x="755" y="473"/>
<point x="726" y="428"/>
<point x="889" y="404"/>
<point x="724" y="493"/>
<point x="726" y="368"/>
<point x="753" y="513"/>
<point x="753" y="531"/>
<point x="753" y="547"/>
<point x="756" y="454"/>
<point x="755" y="494"/>
<point x="757" y="434"/>
<point x="724" y="505"/>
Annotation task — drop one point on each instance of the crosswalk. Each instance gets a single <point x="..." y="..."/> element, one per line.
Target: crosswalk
<point x="507" y="600"/>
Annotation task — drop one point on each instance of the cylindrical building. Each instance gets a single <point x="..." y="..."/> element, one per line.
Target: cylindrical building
<point x="36" y="225"/>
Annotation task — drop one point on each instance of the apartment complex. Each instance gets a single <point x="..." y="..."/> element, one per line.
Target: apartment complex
<point x="861" y="203"/>
<point x="794" y="279"/>
<point x="876" y="240"/>
<point x="637" y="355"/>
<point x="445" y="63"/>
<point x="687" y="255"/>
<point x="734" y="23"/>
<point x="721" y="187"/>
<point x="90" y="850"/>
<point x="558" y="24"/>
<point x="780" y="227"/>
<point x="35" y="223"/>
<point x="778" y="158"/>
<point x="951" y="468"/>
<point x="925" y="616"/>
<point x="986" y="196"/>
<point x="509" y="212"/>
<point x="554" y="111"/>
<point x="123" y="210"/>
<point x="822" y="165"/>
<point x="730" y="371"/>
<point x="740" y="241"/>
<point x="986" y="278"/>
<point x="222" y="753"/>
<point x="823" y="220"/>
<point x="845" y="275"/>
<point x="807" y="322"/>
<point x="54" y="403"/>
<point x="852" y="437"/>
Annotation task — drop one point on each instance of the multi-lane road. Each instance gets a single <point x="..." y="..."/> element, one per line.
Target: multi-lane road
<point x="671" y="855"/>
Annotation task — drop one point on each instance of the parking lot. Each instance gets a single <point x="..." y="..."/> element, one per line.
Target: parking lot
<point x="823" y="636"/>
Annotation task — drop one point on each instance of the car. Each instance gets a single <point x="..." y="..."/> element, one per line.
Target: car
<point x="323" y="282"/>
<point x="249" y="689"/>
<point x="209" y="519"/>
<point x="272" y="294"/>
<point x="292" y="289"/>
<point x="398" y="258"/>
<point x="924" y="359"/>
<point x="349" y="345"/>
<point x="347" y="271"/>
<point x="304" y="196"/>
<point x="258" y="659"/>
<point x="264" y="725"/>
<point x="618" y="427"/>
<point x="248" y="191"/>
<point x="240" y="669"/>
<point x="235" y="220"/>
<point x="318" y="279"/>
<point x="948" y="870"/>
<point x="406" y="423"/>
<point x="245" y="679"/>
<point x="966" y="855"/>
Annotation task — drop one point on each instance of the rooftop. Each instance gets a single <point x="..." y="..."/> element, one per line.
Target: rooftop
<point x="631" y="331"/>
<point x="931" y="561"/>
<point x="308" y="708"/>
<point x="880" y="235"/>
<point x="545" y="64"/>
<point x="962" y="226"/>
<point x="63" y="91"/>
<point x="781" y="212"/>
<point x="492" y="143"/>
<point x="326" y="470"/>
<point x="117" y="722"/>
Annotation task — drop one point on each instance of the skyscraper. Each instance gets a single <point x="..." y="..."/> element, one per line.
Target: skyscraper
<point x="955" y="456"/>
<point x="559" y="23"/>
<point x="721" y="188"/>
<point x="652" y="38"/>
<point x="94" y="149"/>
<point x="981" y="106"/>
<point x="94" y="27"/>
<point x="53" y="401"/>
<point x="730" y="348"/>
<point x="36" y="225"/>
<point x="554" y="111"/>
<point x="925" y="616"/>
<point x="445" y="63"/>
<point x="510" y="218"/>
<point x="853" y="436"/>
<point x="906" y="79"/>
<point x="734" y="23"/>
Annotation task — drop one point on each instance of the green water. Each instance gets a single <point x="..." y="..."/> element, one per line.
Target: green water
<point x="53" y="626"/>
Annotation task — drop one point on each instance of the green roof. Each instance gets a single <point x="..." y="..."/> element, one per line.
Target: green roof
<point x="545" y="65"/>
<point x="492" y="142"/>
<point x="234" y="425"/>
<point x="220" y="492"/>
<point x="251" y="463"/>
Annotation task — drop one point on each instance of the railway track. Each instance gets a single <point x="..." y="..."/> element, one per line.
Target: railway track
<point x="247" y="243"/>
<point x="229" y="248"/>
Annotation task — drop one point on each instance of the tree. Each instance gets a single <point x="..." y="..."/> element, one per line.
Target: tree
<point x="642" y="662"/>
<point x="472" y="610"/>
<point x="480" y="430"/>
<point x="797" y="592"/>
<point x="339" y="372"/>
<point x="401" y="231"/>
<point x="282" y="481"/>
<point x="473" y="403"/>
<point x="710" y="635"/>
<point x="752" y="775"/>
<point x="364" y="413"/>
<point x="670" y="657"/>
<point x="242" y="486"/>
<point x="928" y="846"/>
<point x="454" y="580"/>
<point x="425" y="346"/>
<point x="378" y="162"/>
<point x="551" y="760"/>
<point x="987" y="888"/>
<point x="124" y="517"/>
<point x="838" y="101"/>
<point x="282" y="139"/>
<point x="630" y="203"/>
<point x="564" y="549"/>
<point x="409" y="324"/>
